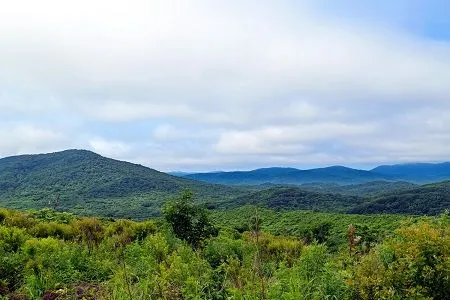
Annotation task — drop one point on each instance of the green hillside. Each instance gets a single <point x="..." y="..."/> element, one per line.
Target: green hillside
<point x="295" y="198"/>
<point x="87" y="183"/>
<point x="373" y="188"/>
<point x="430" y="199"/>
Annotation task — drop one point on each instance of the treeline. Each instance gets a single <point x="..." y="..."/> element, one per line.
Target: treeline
<point x="187" y="255"/>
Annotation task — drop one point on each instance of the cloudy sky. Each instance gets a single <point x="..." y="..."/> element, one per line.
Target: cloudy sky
<point x="200" y="85"/>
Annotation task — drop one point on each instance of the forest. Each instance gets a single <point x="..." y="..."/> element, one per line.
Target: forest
<point x="245" y="253"/>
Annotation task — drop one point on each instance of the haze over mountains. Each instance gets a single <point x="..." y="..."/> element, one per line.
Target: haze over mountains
<point x="415" y="173"/>
<point x="86" y="183"/>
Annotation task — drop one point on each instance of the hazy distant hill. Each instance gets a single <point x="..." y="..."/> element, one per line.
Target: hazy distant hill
<point x="414" y="173"/>
<point x="86" y="182"/>
<point x="334" y="174"/>
<point x="419" y="172"/>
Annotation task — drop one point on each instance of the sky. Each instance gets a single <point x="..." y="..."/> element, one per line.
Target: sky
<point x="202" y="85"/>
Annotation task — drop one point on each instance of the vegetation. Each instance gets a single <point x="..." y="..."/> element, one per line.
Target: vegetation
<point x="429" y="199"/>
<point x="86" y="183"/>
<point x="295" y="198"/>
<point x="370" y="189"/>
<point x="328" y="228"/>
<point x="50" y="255"/>
<point x="189" y="222"/>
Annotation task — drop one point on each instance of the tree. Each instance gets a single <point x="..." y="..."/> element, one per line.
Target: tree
<point x="189" y="222"/>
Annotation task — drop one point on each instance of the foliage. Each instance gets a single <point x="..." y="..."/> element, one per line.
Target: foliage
<point x="431" y="199"/>
<point x="189" y="222"/>
<point x="85" y="183"/>
<point x="295" y="198"/>
<point x="412" y="264"/>
<point x="328" y="228"/>
<point x="124" y="259"/>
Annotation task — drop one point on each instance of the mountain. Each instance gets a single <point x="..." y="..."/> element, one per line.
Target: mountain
<point x="87" y="183"/>
<point x="418" y="172"/>
<point x="334" y="174"/>
<point x="414" y="173"/>
<point x="429" y="199"/>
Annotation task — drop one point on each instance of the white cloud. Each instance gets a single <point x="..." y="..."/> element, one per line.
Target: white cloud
<point x="113" y="149"/>
<point x="27" y="138"/>
<point x="231" y="82"/>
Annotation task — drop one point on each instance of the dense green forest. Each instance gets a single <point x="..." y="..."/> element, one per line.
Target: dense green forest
<point x="246" y="253"/>
<point x="295" y="198"/>
<point x="86" y="183"/>
<point x="429" y="199"/>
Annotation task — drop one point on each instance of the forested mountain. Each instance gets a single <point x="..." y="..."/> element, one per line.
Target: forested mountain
<point x="87" y="183"/>
<point x="419" y="172"/>
<point x="429" y="199"/>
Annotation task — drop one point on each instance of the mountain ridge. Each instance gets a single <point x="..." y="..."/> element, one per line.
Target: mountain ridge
<point x="332" y="174"/>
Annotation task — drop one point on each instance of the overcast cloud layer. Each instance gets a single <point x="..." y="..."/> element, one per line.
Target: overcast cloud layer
<point x="207" y="85"/>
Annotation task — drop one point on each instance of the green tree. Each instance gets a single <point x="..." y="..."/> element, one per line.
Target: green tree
<point x="189" y="222"/>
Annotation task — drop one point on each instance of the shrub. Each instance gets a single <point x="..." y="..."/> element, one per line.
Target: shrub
<point x="52" y="229"/>
<point x="89" y="230"/>
<point x="221" y="249"/>
<point x="413" y="264"/>
<point x="189" y="222"/>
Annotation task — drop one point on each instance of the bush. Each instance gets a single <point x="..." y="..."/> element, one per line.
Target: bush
<point x="413" y="264"/>
<point x="89" y="230"/>
<point x="52" y="229"/>
<point x="189" y="222"/>
<point x="219" y="250"/>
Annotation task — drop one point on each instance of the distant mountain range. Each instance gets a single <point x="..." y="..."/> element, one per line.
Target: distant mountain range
<point x="419" y="172"/>
<point x="414" y="173"/>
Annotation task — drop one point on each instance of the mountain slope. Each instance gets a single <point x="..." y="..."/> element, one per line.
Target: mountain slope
<point x="334" y="174"/>
<point x="295" y="198"/>
<point x="419" y="172"/>
<point x="88" y="183"/>
<point x="368" y="189"/>
<point x="429" y="199"/>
